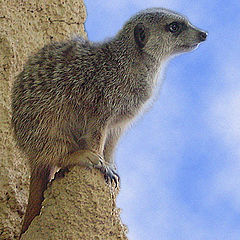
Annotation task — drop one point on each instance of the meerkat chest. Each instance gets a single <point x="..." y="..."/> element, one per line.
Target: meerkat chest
<point x="133" y="102"/>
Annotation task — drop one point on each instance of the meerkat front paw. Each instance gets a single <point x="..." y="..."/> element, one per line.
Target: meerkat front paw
<point x="110" y="174"/>
<point x="90" y="159"/>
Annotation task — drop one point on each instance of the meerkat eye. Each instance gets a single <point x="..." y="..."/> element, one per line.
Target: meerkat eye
<point x="174" y="27"/>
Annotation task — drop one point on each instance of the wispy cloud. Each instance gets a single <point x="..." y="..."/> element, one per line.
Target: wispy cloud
<point x="224" y="122"/>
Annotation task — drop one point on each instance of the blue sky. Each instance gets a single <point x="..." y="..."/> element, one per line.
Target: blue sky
<point x="180" y="162"/>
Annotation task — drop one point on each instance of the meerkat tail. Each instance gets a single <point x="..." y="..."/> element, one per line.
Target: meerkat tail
<point x="38" y="184"/>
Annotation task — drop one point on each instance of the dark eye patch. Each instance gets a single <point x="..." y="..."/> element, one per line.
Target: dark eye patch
<point x="175" y="27"/>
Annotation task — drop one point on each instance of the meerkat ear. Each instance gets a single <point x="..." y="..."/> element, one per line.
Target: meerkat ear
<point x="141" y="35"/>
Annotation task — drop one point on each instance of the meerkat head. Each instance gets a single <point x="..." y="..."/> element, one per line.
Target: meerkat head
<point x="163" y="33"/>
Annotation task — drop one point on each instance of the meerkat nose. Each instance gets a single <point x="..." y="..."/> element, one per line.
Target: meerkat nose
<point x="203" y="36"/>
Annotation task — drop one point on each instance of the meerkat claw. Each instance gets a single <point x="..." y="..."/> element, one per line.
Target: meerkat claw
<point x="110" y="174"/>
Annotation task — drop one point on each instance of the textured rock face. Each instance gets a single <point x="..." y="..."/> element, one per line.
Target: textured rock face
<point x="25" y="27"/>
<point x="80" y="206"/>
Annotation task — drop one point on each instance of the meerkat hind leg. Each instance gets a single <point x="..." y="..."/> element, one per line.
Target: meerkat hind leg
<point x="90" y="159"/>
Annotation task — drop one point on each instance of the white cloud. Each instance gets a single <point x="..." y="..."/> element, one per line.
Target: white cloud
<point x="224" y="122"/>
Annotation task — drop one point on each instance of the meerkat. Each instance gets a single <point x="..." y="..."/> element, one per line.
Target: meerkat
<point x="73" y="99"/>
